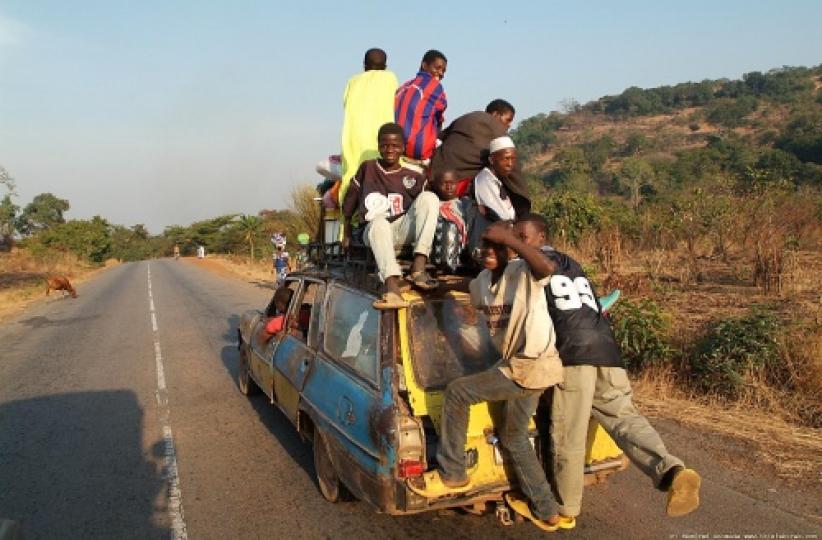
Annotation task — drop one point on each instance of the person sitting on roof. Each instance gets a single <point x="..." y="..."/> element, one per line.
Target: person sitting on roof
<point x="451" y="235"/>
<point x="465" y="145"/>
<point x="419" y="107"/>
<point x="490" y="192"/>
<point x="398" y="211"/>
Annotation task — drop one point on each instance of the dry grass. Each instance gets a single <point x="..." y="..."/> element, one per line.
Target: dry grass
<point x="794" y="453"/>
<point x="21" y="276"/>
<point x="239" y="267"/>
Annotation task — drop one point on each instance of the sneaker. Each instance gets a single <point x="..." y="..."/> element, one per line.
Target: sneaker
<point x="436" y="486"/>
<point x="683" y="494"/>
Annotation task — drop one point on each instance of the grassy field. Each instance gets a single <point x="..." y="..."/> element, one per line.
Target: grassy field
<point x="22" y="277"/>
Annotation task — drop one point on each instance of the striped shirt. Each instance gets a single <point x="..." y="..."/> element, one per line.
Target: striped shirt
<point x="419" y="105"/>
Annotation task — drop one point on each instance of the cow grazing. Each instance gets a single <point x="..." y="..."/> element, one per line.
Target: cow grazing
<point x="59" y="283"/>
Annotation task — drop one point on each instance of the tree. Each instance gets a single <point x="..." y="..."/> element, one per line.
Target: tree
<point x="803" y="136"/>
<point x="44" y="211"/>
<point x="132" y="244"/>
<point x="535" y="134"/>
<point x="635" y="144"/>
<point x="250" y="226"/>
<point x="637" y="176"/>
<point x="307" y="210"/>
<point x="7" y="180"/>
<point x="8" y="213"/>
<point x="89" y="239"/>
<point x="140" y="232"/>
<point x="730" y="112"/>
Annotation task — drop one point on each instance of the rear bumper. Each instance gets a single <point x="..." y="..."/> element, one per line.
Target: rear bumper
<point x="408" y="502"/>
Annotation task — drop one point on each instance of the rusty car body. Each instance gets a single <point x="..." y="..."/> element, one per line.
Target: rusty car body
<point x="365" y="388"/>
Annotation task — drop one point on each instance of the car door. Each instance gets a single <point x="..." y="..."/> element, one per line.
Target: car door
<point x="296" y="350"/>
<point x="343" y="390"/>
<point x="263" y="344"/>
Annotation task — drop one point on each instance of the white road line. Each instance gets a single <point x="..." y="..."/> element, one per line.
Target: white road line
<point x="175" y="495"/>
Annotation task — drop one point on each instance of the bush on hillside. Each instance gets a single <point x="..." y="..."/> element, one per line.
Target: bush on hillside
<point x="803" y="136"/>
<point x="734" y="351"/>
<point x="535" y="134"/>
<point x="569" y="215"/>
<point x="783" y="85"/>
<point x="729" y="112"/>
<point x="641" y="330"/>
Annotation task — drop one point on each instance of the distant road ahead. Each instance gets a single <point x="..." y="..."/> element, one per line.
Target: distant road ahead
<point x="86" y="431"/>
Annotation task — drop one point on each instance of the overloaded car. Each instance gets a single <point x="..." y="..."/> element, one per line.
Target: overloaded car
<point x="365" y="388"/>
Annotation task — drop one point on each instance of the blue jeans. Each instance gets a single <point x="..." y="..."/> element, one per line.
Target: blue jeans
<point x="520" y="405"/>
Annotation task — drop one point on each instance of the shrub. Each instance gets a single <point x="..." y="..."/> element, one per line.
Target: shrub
<point x="734" y="351"/>
<point x="803" y="136"/>
<point x="729" y="112"/>
<point x="535" y="134"/>
<point x="641" y="330"/>
<point x="569" y="215"/>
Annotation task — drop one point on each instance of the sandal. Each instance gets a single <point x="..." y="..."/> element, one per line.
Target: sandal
<point x="390" y="300"/>
<point x="423" y="280"/>
<point x="519" y="504"/>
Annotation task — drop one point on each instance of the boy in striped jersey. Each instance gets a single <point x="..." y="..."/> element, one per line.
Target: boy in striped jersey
<point x="419" y="107"/>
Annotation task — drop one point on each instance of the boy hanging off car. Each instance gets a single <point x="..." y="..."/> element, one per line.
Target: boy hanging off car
<point x="596" y="384"/>
<point x="510" y="293"/>
<point x="392" y="201"/>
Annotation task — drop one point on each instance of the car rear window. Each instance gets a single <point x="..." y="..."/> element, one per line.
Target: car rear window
<point x="352" y="332"/>
<point x="448" y="339"/>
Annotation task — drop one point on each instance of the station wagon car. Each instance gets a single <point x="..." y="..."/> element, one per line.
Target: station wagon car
<point x="365" y="387"/>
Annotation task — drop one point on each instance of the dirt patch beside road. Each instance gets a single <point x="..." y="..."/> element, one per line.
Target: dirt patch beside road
<point x="22" y="283"/>
<point x="258" y="273"/>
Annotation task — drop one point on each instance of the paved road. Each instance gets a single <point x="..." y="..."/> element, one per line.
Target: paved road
<point x="86" y="437"/>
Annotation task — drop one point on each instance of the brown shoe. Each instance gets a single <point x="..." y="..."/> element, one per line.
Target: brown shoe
<point x="683" y="494"/>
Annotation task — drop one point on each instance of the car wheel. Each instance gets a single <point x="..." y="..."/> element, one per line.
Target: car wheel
<point x="327" y="478"/>
<point x="244" y="381"/>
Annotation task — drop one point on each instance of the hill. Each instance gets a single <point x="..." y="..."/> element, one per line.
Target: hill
<point x="774" y="120"/>
<point x="703" y="202"/>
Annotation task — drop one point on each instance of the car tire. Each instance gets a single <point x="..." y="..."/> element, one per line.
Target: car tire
<point x="245" y="383"/>
<point x="327" y="479"/>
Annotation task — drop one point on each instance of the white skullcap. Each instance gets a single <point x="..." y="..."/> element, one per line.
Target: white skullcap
<point x="501" y="143"/>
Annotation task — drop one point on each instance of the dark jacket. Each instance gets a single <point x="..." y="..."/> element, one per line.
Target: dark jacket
<point x="464" y="150"/>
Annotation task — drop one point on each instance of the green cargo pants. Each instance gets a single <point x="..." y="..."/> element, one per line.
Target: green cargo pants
<point x="605" y="394"/>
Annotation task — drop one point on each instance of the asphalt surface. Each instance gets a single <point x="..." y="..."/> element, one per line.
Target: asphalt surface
<point x="83" y="452"/>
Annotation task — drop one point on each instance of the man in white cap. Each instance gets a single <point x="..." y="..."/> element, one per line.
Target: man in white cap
<point x="492" y="197"/>
<point x="464" y="150"/>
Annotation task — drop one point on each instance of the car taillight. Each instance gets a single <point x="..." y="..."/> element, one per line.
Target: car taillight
<point x="409" y="468"/>
<point x="410" y="447"/>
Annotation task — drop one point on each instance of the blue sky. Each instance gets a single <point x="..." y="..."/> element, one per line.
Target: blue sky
<point x="163" y="113"/>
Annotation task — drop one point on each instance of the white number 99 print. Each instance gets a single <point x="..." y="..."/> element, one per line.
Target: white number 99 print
<point x="570" y="294"/>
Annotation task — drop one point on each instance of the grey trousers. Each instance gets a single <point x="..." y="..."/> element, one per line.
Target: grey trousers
<point x="520" y="404"/>
<point x="604" y="393"/>
<point x="417" y="226"/>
